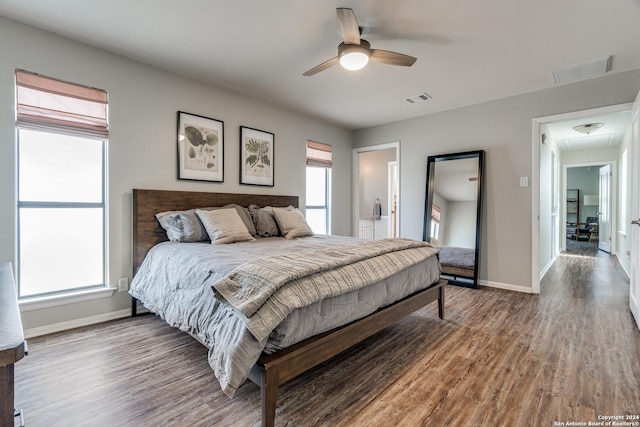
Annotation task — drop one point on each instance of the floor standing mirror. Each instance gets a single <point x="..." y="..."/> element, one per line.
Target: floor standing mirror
<point x="452" y="215"/>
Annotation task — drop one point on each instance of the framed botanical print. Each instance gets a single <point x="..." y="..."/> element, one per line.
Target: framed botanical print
<point x="256" y="157"/>
<point x="200" y="148"/>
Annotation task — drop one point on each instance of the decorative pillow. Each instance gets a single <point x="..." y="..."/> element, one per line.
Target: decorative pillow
<point x="292" y="223"/>
<point x="182" y="226"/>
<point x="185" y="226"/>
<point x="245" y="216"/>
<point x="224" y="226"/>
<point x="264" y="221"/>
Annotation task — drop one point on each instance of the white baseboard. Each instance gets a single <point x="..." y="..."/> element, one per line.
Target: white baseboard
<point x="624" y="267"/>
<point x="76" y="323"/>
<point x="547" y="267"/>
<point x="506" y="286"/>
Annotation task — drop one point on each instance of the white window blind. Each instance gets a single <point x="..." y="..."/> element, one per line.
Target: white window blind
<point x="48" y="104"/>
<point x="319" y="154"/>
<point x="435" y="213"/>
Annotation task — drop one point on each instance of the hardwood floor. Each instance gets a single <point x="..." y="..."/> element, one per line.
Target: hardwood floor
<point x="500" y="358"/>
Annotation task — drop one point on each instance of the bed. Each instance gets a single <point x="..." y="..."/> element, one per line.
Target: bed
<point x="457" y="262"/>
<point x="279" y="356"/>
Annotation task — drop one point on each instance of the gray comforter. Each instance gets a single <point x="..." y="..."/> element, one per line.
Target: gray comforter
<point x="175" y="281"/>
<point x="457" y="257"/>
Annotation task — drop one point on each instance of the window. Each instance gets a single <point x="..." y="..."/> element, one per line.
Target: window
<point x="435" y="222"/>
<point x="319" y="162"/>
<point x="62" y="134"/>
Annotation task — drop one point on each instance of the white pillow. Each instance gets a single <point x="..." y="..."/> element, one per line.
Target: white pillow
<point x="224" y="226"/>
<point x="292" y="223"/>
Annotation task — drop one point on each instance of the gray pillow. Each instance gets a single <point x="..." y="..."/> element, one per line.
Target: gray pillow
<point x="182" y="226"/>
<point x="185" y="226"/>
<point x="265" y="220"/>
<point x="245" y="216"/>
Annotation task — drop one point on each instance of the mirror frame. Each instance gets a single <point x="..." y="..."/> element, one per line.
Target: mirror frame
<point x="430" y="184"/>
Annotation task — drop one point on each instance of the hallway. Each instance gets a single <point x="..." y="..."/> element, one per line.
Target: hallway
<point x="586" y="291"/>
<point x="583" y="271"/>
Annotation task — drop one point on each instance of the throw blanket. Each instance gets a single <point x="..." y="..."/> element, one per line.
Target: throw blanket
<point x="263" y="292"/>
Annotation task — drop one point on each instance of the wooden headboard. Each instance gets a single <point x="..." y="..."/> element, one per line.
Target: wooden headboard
<point x="147" y="231"/>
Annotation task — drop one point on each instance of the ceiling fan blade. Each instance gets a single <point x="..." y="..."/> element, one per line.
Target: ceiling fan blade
<point x="326" y="64"/>
<point x="348" y="25"/>
<point x="391" y="58"/>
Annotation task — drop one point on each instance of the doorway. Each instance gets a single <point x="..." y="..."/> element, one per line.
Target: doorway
<point x="376" y="182"/>
<point x="589" y="208"/>
<point x="599" y="147"/>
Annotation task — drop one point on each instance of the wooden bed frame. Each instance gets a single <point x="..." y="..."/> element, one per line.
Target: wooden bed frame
<point x="271" y="370"/>
<point x="452" y="270"/>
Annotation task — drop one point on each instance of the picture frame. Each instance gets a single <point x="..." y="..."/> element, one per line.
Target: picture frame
<point x="200" y="148"/>
<point x="257" y="157"/>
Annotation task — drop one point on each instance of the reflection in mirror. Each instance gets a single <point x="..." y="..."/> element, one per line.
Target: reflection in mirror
<point x="452" y="217"/>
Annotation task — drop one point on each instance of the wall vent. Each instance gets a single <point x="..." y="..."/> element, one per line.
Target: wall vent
<point x="418" y="98"/>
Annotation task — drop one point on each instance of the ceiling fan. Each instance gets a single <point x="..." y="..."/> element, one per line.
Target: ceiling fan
<point x="354" y="53"/>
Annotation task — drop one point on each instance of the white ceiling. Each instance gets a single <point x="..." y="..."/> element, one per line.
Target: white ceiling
<point x="469" y="51"/>
<point x="610" y="134"/>
<point x="453" y="180"/>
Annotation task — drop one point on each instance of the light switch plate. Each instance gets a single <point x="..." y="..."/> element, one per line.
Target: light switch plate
<point x="524" y="181"/>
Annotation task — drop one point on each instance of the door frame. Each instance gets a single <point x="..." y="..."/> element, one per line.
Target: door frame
<point x="393" y="212"/>
<point x="537" y="122"/>
<point x="613" y="200"/>
<point x="355" y="202"/>
<point x="634" y="261"/>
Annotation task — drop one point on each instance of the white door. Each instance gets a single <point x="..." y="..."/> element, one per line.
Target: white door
<point x="604" y="209"/>
<point x="634" y="285"/>
<point x="555" y="202"/>
<point x="393" y="203"/>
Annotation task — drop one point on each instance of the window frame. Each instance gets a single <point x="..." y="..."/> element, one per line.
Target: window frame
<point x="435" y="221"/>
<point x="20" y="204"/>
<point x="327" y="196"/>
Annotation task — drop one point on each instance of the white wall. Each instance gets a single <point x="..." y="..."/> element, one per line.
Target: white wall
<point x="504" y="129"/>
<point x="374" y="180"/>
<point x="624" y="243"/>
<point x="461" y="231"/>
<point x="143" y="102"/>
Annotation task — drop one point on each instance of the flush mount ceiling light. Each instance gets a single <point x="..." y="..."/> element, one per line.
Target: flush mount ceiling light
<point x="354" y="57"/>
<point x="588" y="127"/>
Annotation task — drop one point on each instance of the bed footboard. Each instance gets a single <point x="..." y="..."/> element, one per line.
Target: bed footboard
<point x="271" y="370"/>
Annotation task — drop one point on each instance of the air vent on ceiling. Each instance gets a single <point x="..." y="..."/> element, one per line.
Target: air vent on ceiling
<point x="418" y="98"/>
<point x="586" y="70"/>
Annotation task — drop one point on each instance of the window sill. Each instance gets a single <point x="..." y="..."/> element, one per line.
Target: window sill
<point x="38" y="303"/>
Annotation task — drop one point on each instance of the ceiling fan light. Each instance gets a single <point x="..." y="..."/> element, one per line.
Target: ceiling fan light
<point x="355" y="58"/>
